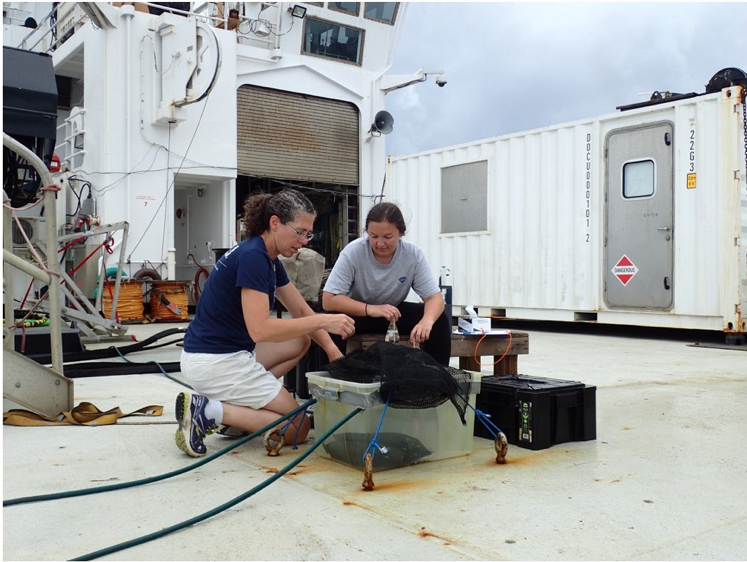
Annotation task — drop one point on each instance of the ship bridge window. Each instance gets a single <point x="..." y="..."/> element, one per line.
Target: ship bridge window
<point x="327" y="39"/>
<point x="381" y="11"/>
<point x="347" y="7"/>
<point x="639" y="179"/>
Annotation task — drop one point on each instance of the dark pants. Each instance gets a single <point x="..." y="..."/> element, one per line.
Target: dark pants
<point x="438" y="345"/>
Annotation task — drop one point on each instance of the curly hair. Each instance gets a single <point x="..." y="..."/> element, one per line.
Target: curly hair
<point x="286" y="204"/>
<point x="387" y="212"/>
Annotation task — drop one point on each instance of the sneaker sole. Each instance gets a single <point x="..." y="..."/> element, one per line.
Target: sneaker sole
<point x="184" y="417"/>
<point x="230" y="432"/>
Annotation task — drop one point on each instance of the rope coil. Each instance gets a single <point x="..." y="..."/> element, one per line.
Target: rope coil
<point x="169" y="301"/>
<point x="130" y="302"/>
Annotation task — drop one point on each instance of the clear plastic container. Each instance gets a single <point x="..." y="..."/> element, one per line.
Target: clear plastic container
<point x="409" y="436"/>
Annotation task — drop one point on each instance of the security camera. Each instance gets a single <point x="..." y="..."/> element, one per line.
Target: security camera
<point x="441" y="80"/>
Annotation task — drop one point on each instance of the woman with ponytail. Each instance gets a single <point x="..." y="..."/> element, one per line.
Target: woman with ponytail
<point x="235" y="351"/>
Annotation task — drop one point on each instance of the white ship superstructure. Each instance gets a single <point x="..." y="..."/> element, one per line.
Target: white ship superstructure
<point x="170" y="115"/>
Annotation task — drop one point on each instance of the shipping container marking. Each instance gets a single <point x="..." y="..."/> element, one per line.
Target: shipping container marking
<point x="691" y="176"/>
<point x="588" y="186"/>
<point x="624" y="270"/>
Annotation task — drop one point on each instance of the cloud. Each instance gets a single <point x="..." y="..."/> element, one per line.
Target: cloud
<point x="519" y="66"/>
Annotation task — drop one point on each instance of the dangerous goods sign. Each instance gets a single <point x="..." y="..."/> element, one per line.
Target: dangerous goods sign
<point x="624" y="270"/>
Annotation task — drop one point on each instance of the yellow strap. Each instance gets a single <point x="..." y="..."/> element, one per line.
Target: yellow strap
<point x="84" y="413"/>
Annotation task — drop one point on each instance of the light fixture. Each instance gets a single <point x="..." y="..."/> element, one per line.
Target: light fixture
<point x="261" y="28"/>
<point x="297" y="11"/>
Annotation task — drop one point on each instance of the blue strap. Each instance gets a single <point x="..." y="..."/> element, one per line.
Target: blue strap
<point x="493" y="429"/>
<point x="288" y="424"/>
<point x="374" y="443"/>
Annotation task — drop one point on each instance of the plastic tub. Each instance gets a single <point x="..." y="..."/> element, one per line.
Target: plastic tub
<point x="409" y="436"/>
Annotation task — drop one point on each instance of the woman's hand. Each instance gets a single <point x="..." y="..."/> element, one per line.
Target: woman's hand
<point x="391" y="313"/>
<point x="340" y="324"/>
<point x="421" y="332"/>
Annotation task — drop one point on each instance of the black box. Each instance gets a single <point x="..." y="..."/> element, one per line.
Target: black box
<point x="37" y="340"/>
<point x="535" y="412"/>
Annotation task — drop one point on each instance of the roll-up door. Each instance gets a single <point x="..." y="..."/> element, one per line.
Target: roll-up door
<point x="292" y="136"/>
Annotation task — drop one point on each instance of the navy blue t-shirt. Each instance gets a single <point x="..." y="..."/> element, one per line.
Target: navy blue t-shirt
<point x="218" y="326"/>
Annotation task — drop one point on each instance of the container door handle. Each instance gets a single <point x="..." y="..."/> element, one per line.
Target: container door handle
<point x="664" y="229"/>
<point x="666" y="283"/>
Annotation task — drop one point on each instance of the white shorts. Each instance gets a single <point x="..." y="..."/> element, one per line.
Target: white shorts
<point x="235" y="378"/>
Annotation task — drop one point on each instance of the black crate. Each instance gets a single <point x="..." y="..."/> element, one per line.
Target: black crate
<point x="537" y="413"/>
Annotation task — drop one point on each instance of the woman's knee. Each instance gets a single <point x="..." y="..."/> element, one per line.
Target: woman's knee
<point x="302" y="345"/>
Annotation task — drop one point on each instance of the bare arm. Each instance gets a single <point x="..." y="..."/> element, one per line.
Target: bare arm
<point x="434" y="307"/>
<point x="352" y="307"/>
<point x="263" y="328"/>
<point x="292" y="299"/>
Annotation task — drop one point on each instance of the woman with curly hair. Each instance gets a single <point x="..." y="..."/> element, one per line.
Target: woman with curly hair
<point x="235" y="352"/>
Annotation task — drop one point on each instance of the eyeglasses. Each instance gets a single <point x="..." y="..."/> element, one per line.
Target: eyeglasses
<point x="300" y="233"/>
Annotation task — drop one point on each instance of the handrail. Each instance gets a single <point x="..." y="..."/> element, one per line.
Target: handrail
<point x="215" y="20"/>
<point x="23" y="41"/>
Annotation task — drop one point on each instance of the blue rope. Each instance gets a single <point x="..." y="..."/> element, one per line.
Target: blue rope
<point x="165" y="374"/>
<point x="374" y="443"/>
<point x="288" y="424"/>
<point x="485" y="419"/>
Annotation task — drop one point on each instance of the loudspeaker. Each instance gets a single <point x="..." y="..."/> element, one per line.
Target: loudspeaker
<point x="383" y="123"/>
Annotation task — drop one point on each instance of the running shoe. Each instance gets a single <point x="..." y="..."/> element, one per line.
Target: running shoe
<point x="193" y="425"/>
<point x="231" y="431"/>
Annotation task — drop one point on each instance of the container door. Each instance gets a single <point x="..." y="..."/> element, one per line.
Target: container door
<point x="639" y="223"/>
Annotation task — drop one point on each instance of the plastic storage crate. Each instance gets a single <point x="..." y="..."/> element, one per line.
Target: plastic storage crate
<point x="535" y="412"/>
<point x="410" y="436"/>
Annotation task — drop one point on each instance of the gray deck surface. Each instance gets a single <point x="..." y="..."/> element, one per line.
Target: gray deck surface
<point x="666" y="478"/>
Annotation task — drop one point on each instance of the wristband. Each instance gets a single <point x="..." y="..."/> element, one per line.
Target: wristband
<point x="366" y="309"/>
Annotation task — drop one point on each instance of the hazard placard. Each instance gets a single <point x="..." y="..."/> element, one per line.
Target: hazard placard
<point x="624" y="270"/>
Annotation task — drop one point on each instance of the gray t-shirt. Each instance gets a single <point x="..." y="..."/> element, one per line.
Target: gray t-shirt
<point x="358" y="275"/>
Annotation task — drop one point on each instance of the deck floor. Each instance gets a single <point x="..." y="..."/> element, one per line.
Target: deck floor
<point x="666" y="478"/>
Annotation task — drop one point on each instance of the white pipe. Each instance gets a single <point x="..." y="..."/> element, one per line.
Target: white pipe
<point x="8" y="281"/>
<point x="28" y="268"/>
<point x="50" y="215"/>
<point x="278" y="15"/>
<point x="128" y="12"/>
<point x="189" y="214"/>
<point x="171" y="264"/>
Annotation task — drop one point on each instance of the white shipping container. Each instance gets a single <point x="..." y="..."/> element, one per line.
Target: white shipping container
<point x="637" y="217"/>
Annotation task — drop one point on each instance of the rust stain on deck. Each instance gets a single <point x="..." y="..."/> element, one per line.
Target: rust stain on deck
<point x="403" y="485"/>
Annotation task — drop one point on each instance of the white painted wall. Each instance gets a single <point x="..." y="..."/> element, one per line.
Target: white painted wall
<point x="122" y="91"/>
<point x="534" y="260"/>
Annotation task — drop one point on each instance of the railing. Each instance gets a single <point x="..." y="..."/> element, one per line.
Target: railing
<point x="58" y="29"/>
<point x="71" y="149"/>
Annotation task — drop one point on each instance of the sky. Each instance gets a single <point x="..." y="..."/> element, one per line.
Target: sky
<point x="517" y="66"/>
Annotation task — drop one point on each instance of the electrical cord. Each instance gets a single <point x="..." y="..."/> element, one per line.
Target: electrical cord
<point x="223" y="507"/>
<point x="133" y="483"/>
<point x="113" y="351"/>
<point x="160" y="368"/>
<point x="201" y="272"/>
<point x="508" y="347"/>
